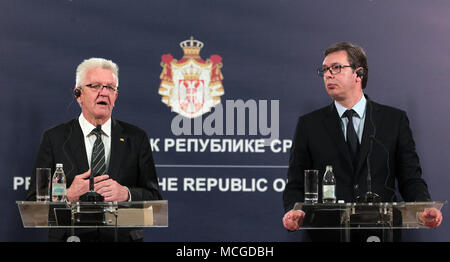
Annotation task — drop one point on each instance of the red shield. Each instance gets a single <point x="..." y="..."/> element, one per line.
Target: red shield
<point x="191" y="95"/>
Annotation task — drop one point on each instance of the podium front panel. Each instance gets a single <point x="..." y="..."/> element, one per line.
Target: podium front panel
<point x="93" y="214"/>
<point x="402" y="215"/>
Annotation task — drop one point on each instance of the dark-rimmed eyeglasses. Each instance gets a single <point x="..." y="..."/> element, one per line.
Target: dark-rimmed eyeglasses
<point x="334" y="69"/>
<point x="99" y="87"/>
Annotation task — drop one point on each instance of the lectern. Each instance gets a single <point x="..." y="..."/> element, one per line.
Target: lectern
<point x="365" y="216"/>
<point x="94" y="214"/>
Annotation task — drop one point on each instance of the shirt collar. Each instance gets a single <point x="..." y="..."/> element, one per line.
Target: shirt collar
<point x="360" y="107"/>
<point x="87" y="127"/>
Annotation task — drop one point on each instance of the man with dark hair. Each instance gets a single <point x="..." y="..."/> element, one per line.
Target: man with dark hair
<point x="356" y="58"/>
<point x="339" y="135"/>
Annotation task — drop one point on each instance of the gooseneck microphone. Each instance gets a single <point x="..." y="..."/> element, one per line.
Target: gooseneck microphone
<point x="369" y="196"/>
<point x="92" y="196"/>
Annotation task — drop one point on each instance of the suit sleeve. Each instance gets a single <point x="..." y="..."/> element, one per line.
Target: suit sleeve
<point x="147" y="187"/>
<point x="409" y="173"/>
<point x="299" y="160"/>
<point x="44" y="159"/>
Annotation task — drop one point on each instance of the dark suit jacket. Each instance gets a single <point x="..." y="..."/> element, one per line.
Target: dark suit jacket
<point x="131" y="164"/>
<point x="319" y="141"/>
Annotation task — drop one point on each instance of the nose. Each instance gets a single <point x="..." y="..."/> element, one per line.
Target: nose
<point x="104" y="91"/>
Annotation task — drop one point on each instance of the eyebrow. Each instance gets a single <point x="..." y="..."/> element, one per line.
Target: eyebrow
<point x="107" y="84"/>
<point x="325" y="65"/>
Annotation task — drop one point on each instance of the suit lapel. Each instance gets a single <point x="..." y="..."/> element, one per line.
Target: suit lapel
<point x="372" y="118"/>
<point x="118" y="142"/>
<point x="332" y="124"/>
<point x="76" y="147"/>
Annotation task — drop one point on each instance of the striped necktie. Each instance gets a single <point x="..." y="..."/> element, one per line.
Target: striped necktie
<point x="98" y="165"/>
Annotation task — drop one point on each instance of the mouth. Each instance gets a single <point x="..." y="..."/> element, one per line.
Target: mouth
<point x="102" y="103"/>
<point x="331" y="86"/>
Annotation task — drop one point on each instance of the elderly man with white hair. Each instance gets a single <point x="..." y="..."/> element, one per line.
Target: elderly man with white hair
<point x="117" y="153"/>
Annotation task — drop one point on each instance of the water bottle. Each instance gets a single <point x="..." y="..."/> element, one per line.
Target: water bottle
<point x="329" y="186"/>
<point x="59" y="184"/>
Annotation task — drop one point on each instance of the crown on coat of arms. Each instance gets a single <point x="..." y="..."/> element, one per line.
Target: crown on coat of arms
<point x="191" y="73"/>
<point x="191" y="47"/>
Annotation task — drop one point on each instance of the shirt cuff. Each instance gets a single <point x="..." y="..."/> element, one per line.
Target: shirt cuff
<point x="129" y="194"/>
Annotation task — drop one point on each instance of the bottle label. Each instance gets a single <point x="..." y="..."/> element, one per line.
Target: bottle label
<point x="328" y="191"/>
<point x="58" y="189"/>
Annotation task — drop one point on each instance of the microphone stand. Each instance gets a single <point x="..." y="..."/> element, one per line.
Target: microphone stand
<point x="91" y="196"/>
<point x="91" y="214"/>
<point x="369" y="196"/>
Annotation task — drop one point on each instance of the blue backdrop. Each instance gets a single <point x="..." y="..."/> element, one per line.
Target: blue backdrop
<point x="270" y="50"/>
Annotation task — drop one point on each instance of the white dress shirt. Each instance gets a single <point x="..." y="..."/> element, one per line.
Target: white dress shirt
<point x="358" y="120"/>
<point x="89" y="140"/>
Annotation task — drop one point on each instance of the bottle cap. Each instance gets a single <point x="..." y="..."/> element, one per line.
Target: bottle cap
<point x="59" y="165"/>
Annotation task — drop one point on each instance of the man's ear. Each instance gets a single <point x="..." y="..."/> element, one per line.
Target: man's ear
<point x="115" y="99"/>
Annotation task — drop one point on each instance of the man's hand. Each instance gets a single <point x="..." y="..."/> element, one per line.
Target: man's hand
<point x="80" y="185"/>
<point x="293" y="219"/>
<point x="431" y="217"/>
<point x="112" y="191"/>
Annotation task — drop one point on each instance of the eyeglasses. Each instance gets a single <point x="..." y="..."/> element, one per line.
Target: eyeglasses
<point x="99" y="87"/>
<point x="334" y="69"/>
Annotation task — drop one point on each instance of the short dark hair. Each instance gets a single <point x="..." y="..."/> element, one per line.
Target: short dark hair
<point x="356" y="57"/>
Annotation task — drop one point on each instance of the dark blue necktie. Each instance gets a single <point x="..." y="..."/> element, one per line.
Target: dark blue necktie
<point x="352" y="138"/>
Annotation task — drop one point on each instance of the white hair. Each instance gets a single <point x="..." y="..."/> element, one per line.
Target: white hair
<point x="94" y="62"/>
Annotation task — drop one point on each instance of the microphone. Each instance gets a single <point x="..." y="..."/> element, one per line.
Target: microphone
<point x="92" y="196"/>
<point x="369" y="196"/>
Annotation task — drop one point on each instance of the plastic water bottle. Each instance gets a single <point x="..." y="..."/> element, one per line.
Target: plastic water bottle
<point x="59" y="184"/>
<point x="329" y="186"/>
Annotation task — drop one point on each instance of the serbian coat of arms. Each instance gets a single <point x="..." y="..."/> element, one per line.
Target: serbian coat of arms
<point x="191" y="86"/>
